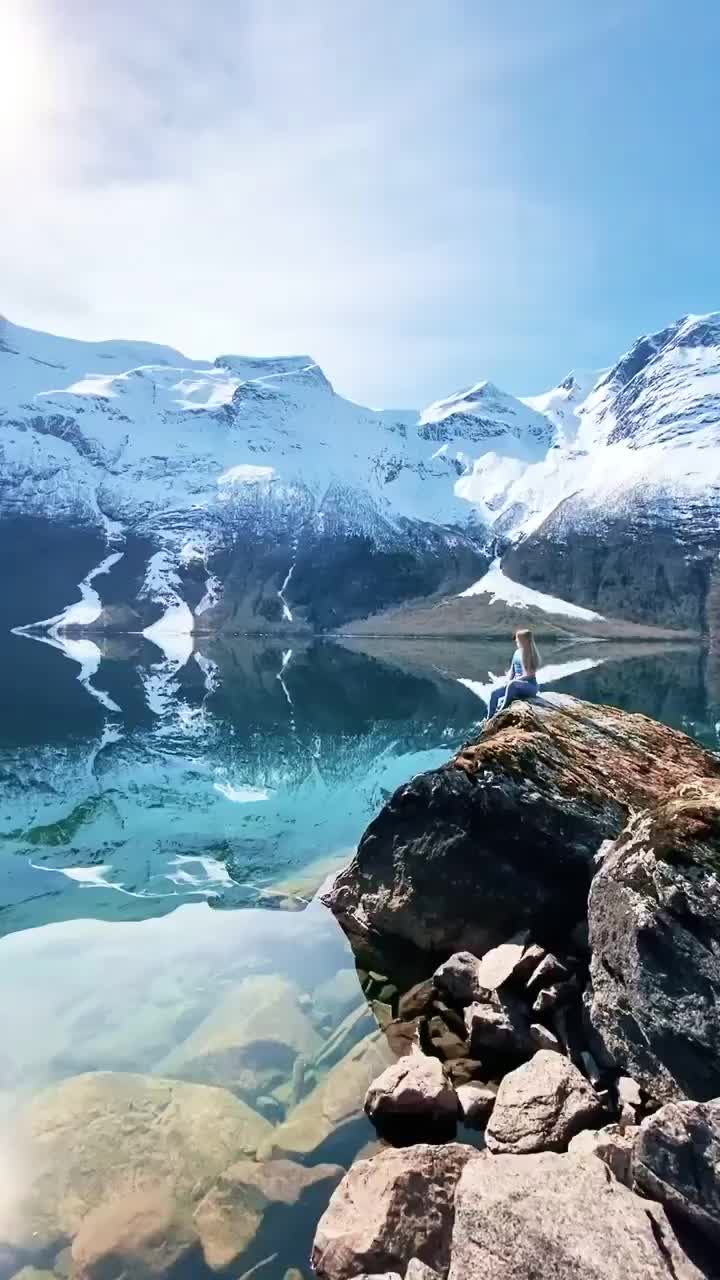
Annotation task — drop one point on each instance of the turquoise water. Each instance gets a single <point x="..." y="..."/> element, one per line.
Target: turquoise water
<point x="165" y="822"/>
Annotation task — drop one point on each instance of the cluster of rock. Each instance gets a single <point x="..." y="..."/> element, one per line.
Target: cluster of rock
<point x="578" y="852"/>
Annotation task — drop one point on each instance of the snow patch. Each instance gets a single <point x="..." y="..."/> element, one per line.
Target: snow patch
<point x="173" y="633"/>
<point x="246" y="473"/>
<point x="241" y="794"/>
<point x="501" y="588"/>
<point x="287" y="614"/>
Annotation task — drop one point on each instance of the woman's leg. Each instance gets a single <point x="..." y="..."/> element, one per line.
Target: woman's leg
<point x="495" y="697"/>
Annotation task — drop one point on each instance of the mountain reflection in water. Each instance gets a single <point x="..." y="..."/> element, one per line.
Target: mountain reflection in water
<point x="237" y="778"/>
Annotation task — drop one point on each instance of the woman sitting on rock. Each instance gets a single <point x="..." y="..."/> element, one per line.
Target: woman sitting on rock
<point x="522" y="676"/>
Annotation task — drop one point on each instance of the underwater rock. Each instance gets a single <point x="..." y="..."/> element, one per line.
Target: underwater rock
<point x="101" y="1136"/>
<point x="229" y="1216"/>
<point x="250" y="1042"/>
<point x="334" y="1102"/>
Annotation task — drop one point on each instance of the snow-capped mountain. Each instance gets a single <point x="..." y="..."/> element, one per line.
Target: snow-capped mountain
<point x="143" y="490"/>
<point x="242" y="492"/>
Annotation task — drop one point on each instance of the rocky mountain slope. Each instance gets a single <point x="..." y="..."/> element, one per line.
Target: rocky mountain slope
<point x="138" y="488"/>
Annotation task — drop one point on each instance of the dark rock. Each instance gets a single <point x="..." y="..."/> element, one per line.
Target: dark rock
<point x="677" y="1161"/>
<point x="459" y="978"/>
<point x="389" y="1210"/>
<point x="503" y="837"/>
<point x="558" y="1216"/>
<point x="464" y="1070"/>
<point x="445" y="1043"/>
<point x="503" y="1028"/>
<point x="541" y="1106"/>
<point x="654" y="913"/>
<point x="417" y="1000"/>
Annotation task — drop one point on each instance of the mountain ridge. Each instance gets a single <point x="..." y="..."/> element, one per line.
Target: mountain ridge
<point x="245" y="494"/>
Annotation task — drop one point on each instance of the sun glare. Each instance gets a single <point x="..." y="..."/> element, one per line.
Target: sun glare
<point x="25" y="70"/>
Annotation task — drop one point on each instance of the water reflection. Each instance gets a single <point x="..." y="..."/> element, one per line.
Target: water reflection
<point x="152" y="1041"/>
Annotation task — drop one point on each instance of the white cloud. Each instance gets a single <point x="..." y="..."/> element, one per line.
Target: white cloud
<point x="274" y="176"/>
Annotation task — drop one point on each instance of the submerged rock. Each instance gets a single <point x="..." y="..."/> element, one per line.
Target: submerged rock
<point x="560" y="1216"/>
<point x="654" y="914"/>
<point x="677" y="1161"/>
<point x="389" y="1210"/>
<point x="229" y="1216"/>
<point x="503" y="838"/>
<point x="102" y="1136"/>
<point x="250" y="1042"/>
<point x="140" y="1235"/>
<point x="541" y="1106"/>
<point x="334" y="1102"/>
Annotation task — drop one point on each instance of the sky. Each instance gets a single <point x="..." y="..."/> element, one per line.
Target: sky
<point x="419" y="194"/>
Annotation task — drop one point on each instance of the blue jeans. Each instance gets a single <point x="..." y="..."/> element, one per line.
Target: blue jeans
<point x="516" y="689"/>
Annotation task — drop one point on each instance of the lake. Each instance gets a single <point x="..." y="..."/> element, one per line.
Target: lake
<point x="166" y="819"/>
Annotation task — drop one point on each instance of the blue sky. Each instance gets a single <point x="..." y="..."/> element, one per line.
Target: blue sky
<point x="419" y="194"/>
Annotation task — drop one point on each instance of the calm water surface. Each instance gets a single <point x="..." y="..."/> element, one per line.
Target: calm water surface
<point x="165" y="821"/>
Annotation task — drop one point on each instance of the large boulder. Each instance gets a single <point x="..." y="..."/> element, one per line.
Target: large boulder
<point x="249" y="1043"/>
<point x="228" y="1218"/>
<point x="654" y="915"/>
<point x="677" y="1161"/>
<point x="503" y="837"/>
<point x="101" y="1136"/>
<point x="540" y="1106"/>
<point x="559" y="1216"/>
<point x="389" y="1210"/>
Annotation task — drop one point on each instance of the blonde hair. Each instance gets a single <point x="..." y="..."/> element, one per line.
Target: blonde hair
<point x="529" y="652"/>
